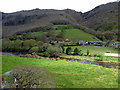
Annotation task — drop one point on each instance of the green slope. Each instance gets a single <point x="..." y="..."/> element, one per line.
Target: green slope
<point x="77" y="34"/>
<point x="69" y="33"/>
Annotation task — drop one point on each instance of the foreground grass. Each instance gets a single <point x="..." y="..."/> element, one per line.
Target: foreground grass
<point x="68" y="74"/>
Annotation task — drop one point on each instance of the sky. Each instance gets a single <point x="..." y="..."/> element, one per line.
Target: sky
<point x="9" y="6"/>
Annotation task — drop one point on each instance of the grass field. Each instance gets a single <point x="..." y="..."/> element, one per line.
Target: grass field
<point x="95" y="49"/>
<point x="88" y="58"/>
<point x="77" y="34"/>
<point x="68" y="74"/>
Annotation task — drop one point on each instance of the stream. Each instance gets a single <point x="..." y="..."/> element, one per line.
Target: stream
<point x="104" y="64"/>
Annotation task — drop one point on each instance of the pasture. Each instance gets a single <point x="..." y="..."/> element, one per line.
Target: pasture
<point x="68" y="74"/>
<point x="95" y="49"/>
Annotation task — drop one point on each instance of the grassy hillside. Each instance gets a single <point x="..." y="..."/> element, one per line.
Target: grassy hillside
<point x="69" y="33"/>
<point x="35" y="19"/>
<point x="77" y="34"/>
<point x="68" y="74"/>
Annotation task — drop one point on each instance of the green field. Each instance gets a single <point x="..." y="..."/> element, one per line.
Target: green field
<point x="77" y="34"/>
<point x="68" y="74"/>
<point x="95" y="49"/>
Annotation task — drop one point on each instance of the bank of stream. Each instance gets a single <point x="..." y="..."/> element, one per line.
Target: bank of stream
<point x="100" y="63"/>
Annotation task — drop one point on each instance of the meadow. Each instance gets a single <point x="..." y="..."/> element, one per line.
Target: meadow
<point x="77" y="34"/>
<point x="68" y="74"/>
<point x="95" y="49"/>
<point x="95" y="52"/>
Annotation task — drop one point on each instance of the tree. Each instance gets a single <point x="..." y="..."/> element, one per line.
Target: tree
<point x="30" y="77"/>
<point x="53" y="51"/>
<point x="28" y="44"/>
<point x="5" y="44"/>
<point x="109" y="36"/>
<point x="43" y="38"/>
<point x="44" y="47"/>
<point x="63" y="49"/>
<point x="80" y="52"/>
<point x="18" y="45"/>
<point x="88" y="52"/>
<point x="34" y="49"/>
<point x="76" y="51"/>
<point x="69" y="51"/>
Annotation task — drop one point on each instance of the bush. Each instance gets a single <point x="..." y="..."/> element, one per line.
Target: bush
<point x="46" y="54"/>
<point x="97" y="55"/>
<point x="76" y="51"/>
<point x="29" y="44"/>
<point x="69" y="51"/>
<point x="33" y="49"/>
<point x="88" y="52"/>
<point x="63" y="49"/>
<point x="90" y="55"/>
<point x="100" y="58"/>
<point x="80" y="53"/>
<point x="5" y="44"/>
<point x="18" y="45"/>
<point x="44" y="47"/>
<point x="53" y="52"/>
<point x="30" y="77"/>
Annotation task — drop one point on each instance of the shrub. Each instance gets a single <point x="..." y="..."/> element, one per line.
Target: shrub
<point x="41" y="54"/>
<point x="44" y="47"/>
<point x="33" y="49"/>
<point x="80" y="53"/>
<point x="76" y="51"/>
<point x="46" y="54"/>
<point x="8" y="45"/>
<point x="69" y="51"/>
<point x="18" y="45"/>
<point x="30" y="77"/>
<point x="100" y="58"/>
<point x="5" y="44"/>
<point x="88" y="52"/>
<point x="96" y="55"/>
<point x="28" y="44"/>
<point x="63" y="49"/>
<point x="90" y="55"/>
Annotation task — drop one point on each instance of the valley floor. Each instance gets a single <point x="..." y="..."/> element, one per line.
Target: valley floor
<point x="67" y="74"/>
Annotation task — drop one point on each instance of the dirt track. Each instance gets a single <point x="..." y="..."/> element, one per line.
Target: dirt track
<point x="112" y="54"/>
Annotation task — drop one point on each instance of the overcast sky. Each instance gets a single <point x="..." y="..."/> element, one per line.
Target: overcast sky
<point x="8" y="6"/>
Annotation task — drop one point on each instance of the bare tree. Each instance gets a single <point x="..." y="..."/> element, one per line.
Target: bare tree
<point x="31" y="77"/>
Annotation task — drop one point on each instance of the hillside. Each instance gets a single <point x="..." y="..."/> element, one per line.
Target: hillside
<point x="99" y="20"/>
<point x="77" y="34"/>
<point x="34" y="20"/>
<point x="71" y="33"/>
<point x="103" y="17"/>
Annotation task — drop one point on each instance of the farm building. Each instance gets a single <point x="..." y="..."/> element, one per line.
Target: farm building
<point x="93" y="42"/>
<point x="81" y="42"/>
